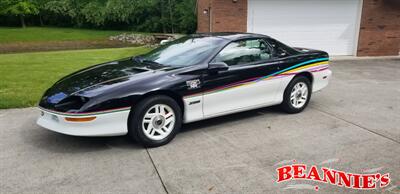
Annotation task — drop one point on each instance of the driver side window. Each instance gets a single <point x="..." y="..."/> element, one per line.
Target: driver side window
<point x="244" y="51"/>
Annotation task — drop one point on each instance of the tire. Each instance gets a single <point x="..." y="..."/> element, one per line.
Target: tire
<point x="150" y="122"/>
<point x="297" y="103"/>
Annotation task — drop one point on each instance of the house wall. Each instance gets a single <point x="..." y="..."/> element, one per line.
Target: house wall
<point x="202" y="19"/>
<point x="379" y="28"/>
<point x="226" y="16"/>
<point x="379" y="33"/>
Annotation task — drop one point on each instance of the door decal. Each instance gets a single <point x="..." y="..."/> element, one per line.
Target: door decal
<point x="311" y="66"/>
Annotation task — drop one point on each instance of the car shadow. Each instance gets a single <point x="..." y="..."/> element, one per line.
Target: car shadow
<point x="223" y="120"/>
<point x="60" y="143"/>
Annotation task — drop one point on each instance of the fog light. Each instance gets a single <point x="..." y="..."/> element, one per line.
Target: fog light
<point x="54" y="117"/>
<point x="79" y="119"/>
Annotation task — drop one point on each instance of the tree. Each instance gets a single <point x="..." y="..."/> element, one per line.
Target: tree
<point x="69" y="8"/>
<point x="41" y="6"/>
<point x="186" y="16"/>
<point x="176" y="16"/>
<point x="162" y="14"/>
<point x="121" y="10"/>
<point x="20" y="8"/>
<point x="170" y="16"/>
<point x="94" y="13"/>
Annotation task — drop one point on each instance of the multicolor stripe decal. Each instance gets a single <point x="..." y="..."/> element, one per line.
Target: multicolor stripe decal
<point x="314" y="65"/>
<point x="86" y="113"/>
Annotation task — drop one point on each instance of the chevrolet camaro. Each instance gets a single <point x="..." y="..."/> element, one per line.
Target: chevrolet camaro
<point x="196" y="77"/>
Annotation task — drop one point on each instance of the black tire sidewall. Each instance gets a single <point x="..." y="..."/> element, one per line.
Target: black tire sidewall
<point x="286" y="105"/>
<point x="136" y="117"/>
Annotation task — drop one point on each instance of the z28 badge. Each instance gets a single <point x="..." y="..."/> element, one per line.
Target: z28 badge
<point x="193" y="84"/>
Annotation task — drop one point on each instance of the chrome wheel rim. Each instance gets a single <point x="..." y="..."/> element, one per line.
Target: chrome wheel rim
<point x="299" y="95"/>
<point x="158" y="122"/>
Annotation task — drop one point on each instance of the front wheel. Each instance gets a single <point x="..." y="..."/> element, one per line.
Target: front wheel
<point x="155" y="121"/>
<point x="297" y="95"/>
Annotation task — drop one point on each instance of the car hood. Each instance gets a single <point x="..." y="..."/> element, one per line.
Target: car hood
<point x="101" y="75"/>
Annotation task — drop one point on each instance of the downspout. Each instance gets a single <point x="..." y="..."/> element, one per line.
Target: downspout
<point x="209" y="19"/>
<point x="209" y="16"/>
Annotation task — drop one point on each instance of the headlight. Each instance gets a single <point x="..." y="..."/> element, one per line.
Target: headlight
<point x="71" y="103"/>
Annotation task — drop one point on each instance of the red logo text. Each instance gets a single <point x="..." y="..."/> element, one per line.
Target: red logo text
<point x="332" y="176"/>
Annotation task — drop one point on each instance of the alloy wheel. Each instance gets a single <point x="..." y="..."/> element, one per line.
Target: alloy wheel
<point x="299" y="95"/>
<point x="158" y="121"/>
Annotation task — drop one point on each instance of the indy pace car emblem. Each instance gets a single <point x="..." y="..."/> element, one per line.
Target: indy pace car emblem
<point x="193" y="84"/>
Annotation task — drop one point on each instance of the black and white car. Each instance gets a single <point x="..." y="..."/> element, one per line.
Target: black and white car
<point x="192" y="78"/>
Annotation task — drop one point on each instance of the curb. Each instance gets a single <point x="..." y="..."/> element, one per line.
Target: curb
<point x="350" y="58"/>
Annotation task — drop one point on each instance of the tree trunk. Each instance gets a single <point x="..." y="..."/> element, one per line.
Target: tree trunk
<point x="162" y="16"/>
<point x="41" y="20"/>
<point x="22" y="19"/>
<point x="170" y="16"/>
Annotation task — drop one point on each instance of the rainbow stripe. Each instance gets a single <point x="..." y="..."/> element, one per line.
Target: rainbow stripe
<point x="314" y="65"/>
<point x="86" y="113"/>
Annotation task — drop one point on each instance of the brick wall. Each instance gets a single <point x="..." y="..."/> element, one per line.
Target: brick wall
<point x="226" y="16"/>
<point x="202" y="19"/>
<point x="380" y="28"/>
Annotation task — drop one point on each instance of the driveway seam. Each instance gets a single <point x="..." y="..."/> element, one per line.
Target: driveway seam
<point x="158" y="174"/>
<point x="369" y="130"/>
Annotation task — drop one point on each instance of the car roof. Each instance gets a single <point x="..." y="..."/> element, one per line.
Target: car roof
<point x="230" y="35"/>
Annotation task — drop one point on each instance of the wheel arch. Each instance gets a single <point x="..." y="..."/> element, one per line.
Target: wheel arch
<point x="286" y="94"/>
<point x="306" y="74"/>
<point x="171" y="94"/>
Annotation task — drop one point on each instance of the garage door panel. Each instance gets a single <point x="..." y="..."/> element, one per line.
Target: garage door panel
<point x="329" y="25"/>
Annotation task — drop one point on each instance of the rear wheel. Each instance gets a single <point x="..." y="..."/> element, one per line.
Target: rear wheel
<point x="155" y="121"/>
<point x="297" y="95"/>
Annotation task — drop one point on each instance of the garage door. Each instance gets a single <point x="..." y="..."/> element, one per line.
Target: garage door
<point x="329" y="25"/>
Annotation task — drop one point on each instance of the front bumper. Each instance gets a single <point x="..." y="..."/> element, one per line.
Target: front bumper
<point x="106" y="124"/>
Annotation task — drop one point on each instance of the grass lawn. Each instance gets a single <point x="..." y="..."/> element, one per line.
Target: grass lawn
<point x="43" y="34"/>
<point x="25" y="76"/>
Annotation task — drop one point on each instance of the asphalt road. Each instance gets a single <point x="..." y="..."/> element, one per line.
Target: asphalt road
<point x="353" y="125"/>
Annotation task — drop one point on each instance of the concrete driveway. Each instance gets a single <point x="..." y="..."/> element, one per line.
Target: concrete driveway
<point x="353" y="126"/>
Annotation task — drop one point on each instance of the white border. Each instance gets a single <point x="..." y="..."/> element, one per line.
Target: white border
<point x="358" y="26"/>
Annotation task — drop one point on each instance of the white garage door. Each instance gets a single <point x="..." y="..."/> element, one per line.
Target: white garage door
<point x="329" y="25"/>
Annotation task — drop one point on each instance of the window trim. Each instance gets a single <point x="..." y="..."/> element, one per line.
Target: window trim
<point x="289" y="52"/>
<point x="250" y="63"/>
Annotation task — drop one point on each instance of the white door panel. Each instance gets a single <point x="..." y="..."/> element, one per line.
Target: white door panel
<point x="248" y="95"/>
<point x="193" y="108"/>
<point x="329" y="25"/>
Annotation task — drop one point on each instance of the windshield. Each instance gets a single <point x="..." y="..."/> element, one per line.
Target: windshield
<point x="184" y="51"/>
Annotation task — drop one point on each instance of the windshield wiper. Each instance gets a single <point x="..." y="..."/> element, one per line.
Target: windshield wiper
<point x="150" y="61"/>
<point x="138" y="59"/>
<point x="146" y="61"/>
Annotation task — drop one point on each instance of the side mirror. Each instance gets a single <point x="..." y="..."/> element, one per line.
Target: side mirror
<point x="217" y="66"/>
<point x="164" y="42"/>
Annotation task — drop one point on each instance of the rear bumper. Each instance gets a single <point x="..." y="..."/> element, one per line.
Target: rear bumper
<point x="109" y="124"/>
<point x="321" y="79"/>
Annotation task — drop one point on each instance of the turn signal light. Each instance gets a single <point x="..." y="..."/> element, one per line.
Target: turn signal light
<point x="79" y="119"/>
